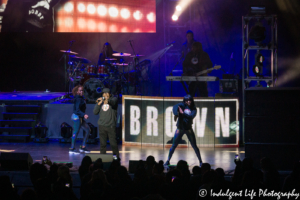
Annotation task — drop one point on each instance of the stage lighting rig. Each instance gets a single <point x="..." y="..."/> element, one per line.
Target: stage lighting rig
<point x="174" y="17"/>
<point x="40" y="131"/>
<point x="178" y="8"/>
<point x="65" y="132"/>
<point x="258" y="66"/>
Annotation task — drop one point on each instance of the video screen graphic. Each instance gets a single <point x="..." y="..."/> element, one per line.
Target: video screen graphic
<point x="78" y="16"/>
<point x="150" y="121"/>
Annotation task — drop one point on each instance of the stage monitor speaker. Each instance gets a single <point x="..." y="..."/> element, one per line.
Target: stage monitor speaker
<point x="272" y="129"/>
<point x="15" y="161"/>
<point x="284" y="156"/>
<point x="133" y="164"/>
<point x="272" y="101"/>
<point x="106" y="159"/>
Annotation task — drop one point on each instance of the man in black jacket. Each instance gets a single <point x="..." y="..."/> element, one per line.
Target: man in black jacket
<point x="185" y="112"/>
<point x="106" y="106"/>
<point x="195" y="61"/>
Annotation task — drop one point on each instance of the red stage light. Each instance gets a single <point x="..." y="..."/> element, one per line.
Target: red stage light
<point x="102" y="27"/>
<point x="98" y="16"/>
<point x="113" y="28"/>
<point x="113" y="11"/>
<point x="68" y="7"/>
<point x="81" y="23"/>
<point x="91" y="9"/>
<point x="69" y="22"/>
<point x="137" y="15"/>
<point x="124" y="29"/>
<point x="81" y="7"/>
<point x="91" y="25"/>
<point x="125" y="13"/>
<point x="151" y="17"/>
<point x="102" y="10"/>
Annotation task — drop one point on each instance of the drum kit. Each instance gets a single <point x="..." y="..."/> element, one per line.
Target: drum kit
<point x="116" y="76"/>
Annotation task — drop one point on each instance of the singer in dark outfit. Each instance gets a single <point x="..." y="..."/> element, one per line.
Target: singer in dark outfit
<point x="185" y="112"/>
<point x="196" y="61"/>
<point x="106" y="106"/>
<point x="79" y="122"/>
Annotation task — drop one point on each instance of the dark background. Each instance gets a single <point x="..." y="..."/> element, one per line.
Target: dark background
<point x="30" y="61"/>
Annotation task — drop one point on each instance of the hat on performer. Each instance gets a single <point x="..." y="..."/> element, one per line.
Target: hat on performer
<point x="106" y="90"/>
<point x="187" y="97"/>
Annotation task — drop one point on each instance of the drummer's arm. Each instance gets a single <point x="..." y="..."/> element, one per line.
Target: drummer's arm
<point x="99" y="61"/>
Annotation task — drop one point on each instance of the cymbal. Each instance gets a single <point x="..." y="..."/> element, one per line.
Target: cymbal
<point x="121" y="54"/>
<point x="121" y="64"/>
<point x="110" y="59"/>
<point x="79" y="59"/>
<point x="137" y="55"/>
<point x="67" y="51"/>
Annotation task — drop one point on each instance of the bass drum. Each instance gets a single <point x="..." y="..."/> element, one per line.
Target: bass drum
<point x="93" y="89"/>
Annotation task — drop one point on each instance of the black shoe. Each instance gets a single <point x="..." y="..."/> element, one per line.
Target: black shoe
<point x="84" y="150"/>
<point x="167" y="163"/>
<point x="73" y="150"/>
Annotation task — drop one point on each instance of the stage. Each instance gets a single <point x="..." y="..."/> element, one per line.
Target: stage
<point x="58" y="152"/>
<point x="145" y="127"/>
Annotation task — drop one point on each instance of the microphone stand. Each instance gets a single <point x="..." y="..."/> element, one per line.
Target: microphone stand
<point x="67" y="89"/>
<point x="135" y="59"/>
<point x="159" y="58"/>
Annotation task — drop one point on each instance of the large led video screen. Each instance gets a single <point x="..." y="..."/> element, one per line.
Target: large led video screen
<point x="135" y="16"/>
<point x="149" y="121"/>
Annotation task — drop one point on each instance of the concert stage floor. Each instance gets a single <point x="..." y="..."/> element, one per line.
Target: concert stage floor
<point x="29" y="96"/>
<point x="217" y="157"/>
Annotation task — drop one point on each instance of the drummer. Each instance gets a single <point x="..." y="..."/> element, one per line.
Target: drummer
<point x="106" y="53"/>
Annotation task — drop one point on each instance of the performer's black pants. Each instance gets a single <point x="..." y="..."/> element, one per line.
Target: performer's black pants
<point x="177" y="138"/>
<point x="105" y="131"/>
<point x="201" y="87"/>
<point x="80" y="124"/>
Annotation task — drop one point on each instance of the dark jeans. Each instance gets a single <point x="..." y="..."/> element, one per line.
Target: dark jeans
<point x="200" y="87"/>
<point x="80" y="124"/>
<point x="105" y="131"/>
<point x="177" y="138"/>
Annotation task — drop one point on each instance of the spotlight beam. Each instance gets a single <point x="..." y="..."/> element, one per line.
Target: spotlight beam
<point x="181" y="7"/>
<point x="154" y="57"/>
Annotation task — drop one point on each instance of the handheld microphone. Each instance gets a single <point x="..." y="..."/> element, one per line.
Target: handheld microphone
<point x="72" y="41"/>
<point x="97" y="101"/>
<point x="129" y="40"/>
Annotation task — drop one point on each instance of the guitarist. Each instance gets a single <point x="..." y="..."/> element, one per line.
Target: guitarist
<point x="195" y="61"/>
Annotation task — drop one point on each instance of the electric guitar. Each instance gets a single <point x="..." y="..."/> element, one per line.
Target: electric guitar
<point x="208" y="70"/>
